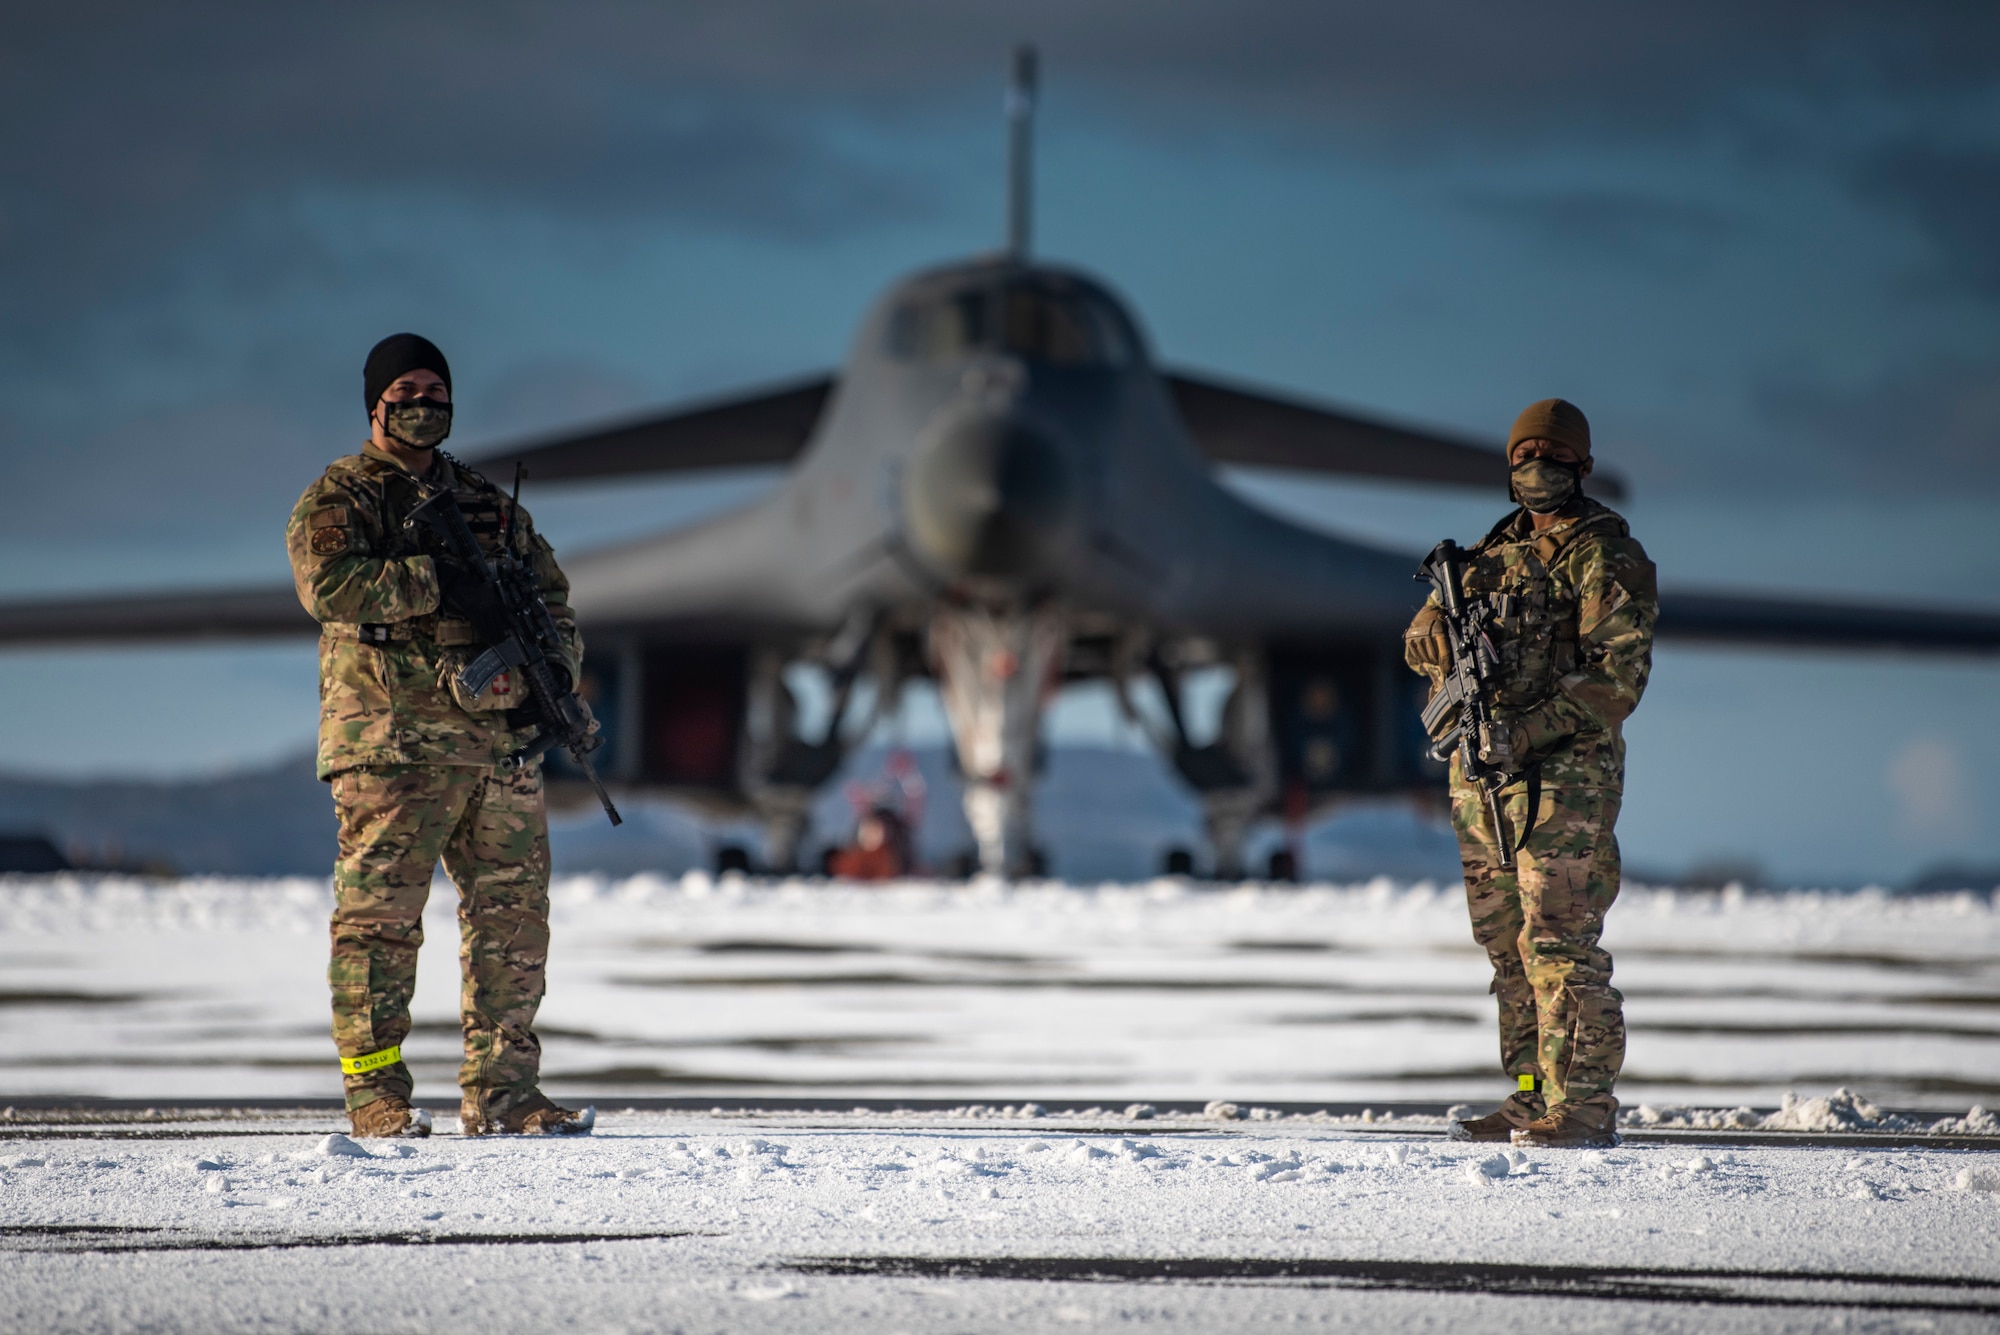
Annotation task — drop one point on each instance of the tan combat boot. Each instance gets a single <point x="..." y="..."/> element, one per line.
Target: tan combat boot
<point x="1521" y="1108"/>
<point x="527" y="1115"/>
<point x="390" y="1115"/>
<point x="1579" y="1126"/>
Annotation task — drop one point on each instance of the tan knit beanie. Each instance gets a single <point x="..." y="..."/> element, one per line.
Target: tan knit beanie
<point x="1558" y="420"/>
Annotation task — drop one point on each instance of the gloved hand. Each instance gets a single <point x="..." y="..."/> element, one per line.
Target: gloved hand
<point x="528" y="714"/>
<point x="464" y="595"/>
<point x="1425" y="647"/>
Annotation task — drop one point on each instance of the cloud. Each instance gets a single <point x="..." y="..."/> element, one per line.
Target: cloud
<point x="535" y="72"/>
<point x="1652" y="231"/>
<point x="156" y="480"/>
<point x="139" y="138"/>
<point x="132" y="130"/>
<point x="192" y="180"/>
<point x="543" y="394"/>
<point x="1902" y="432"/>
<point x="1952" y="193"/>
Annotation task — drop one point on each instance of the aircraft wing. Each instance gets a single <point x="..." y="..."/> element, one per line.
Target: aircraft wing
<point x="767" y="427"/>
<point x="627" y="595"/>
<point x="1232" y="425"/>
<point x="1750" y="619"/>
<point x="215" y="614"/>
<point x="1237" y="425"/>
<point x="731" y="576"/>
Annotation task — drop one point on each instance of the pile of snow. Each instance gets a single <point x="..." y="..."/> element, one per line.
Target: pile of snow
<point x="1977" y="1122"/>
<point x="337" y="1146"/>
<point x="1842" y="1110"/>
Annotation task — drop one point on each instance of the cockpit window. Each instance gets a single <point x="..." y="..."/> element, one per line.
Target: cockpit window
<point x="937" y="329"/>
<point x="1028" y="319"/>
<point x="1060" y="331"/>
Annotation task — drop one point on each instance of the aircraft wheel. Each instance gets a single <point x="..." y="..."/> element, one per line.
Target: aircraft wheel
<point x="1179" y="862"/>
<point x="732" y="857"/>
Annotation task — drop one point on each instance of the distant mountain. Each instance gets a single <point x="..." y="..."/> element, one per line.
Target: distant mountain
<point x="266" y="822"/>
<point x="1102" y="814"/>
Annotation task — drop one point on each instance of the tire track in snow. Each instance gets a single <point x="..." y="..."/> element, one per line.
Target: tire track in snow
<point x="1734" y="1288"/>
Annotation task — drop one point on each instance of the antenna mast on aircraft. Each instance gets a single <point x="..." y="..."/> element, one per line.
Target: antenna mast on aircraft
<point x="1020" y="150"/>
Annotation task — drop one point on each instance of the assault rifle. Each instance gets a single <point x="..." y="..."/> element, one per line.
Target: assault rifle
<point x="528" y="641"/>
<point x="1474" y="663"/>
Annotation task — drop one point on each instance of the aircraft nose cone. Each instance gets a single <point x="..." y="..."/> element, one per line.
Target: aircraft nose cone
<point x="989" y="496"/>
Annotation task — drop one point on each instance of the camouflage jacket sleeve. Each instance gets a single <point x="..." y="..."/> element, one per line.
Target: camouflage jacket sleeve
<point x="341" y="561"/>
<point x="1617" y="605"/>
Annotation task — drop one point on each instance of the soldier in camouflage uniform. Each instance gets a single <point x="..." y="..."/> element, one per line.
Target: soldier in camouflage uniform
<point x="1571" y="603"/>
<point x="415" y="767"/>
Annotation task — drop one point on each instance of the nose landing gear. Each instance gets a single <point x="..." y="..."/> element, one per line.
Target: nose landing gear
<point x="997" y="669"/>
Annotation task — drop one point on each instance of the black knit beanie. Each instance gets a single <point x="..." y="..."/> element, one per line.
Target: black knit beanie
<point x="397" y="356"/>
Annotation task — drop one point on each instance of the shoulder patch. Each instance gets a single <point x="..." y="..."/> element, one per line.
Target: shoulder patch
<point x="330" y="541"/>
<point x="333" y="516"/>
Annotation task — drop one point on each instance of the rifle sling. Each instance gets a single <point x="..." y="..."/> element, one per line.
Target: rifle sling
<point x="1534" y="804"/>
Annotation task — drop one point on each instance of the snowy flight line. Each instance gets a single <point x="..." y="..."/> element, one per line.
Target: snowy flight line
<point x="676" y="1222"/>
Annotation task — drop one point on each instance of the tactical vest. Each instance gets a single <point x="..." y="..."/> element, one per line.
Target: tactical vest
<point x="392" y="498"/>
<point x="396" y="494"/>
<point x="1532" y="612"/>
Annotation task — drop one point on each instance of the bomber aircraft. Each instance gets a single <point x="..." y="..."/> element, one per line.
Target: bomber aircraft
<point x="1001" y="491"/>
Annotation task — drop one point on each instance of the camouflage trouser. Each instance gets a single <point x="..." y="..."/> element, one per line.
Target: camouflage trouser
<point x="1561" y="1021"/>
<point x="491" y="829"/>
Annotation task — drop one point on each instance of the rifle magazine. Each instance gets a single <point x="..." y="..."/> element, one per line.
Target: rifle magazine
<point x="476" y="676"/>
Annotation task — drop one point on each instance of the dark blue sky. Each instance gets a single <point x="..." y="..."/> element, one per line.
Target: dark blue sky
<point x="1756" y="243"/>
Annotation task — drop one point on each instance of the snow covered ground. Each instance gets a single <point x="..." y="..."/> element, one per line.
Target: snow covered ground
<point x="667" y="1222"/>
<point x="1005" y="1216"/>
<point x="213" y="990"/>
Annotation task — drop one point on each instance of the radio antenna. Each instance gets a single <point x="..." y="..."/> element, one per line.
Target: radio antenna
<point x="507" y="525"/>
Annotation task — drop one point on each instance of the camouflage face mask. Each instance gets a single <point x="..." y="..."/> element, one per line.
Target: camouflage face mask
<point x="417" y="423"/>
<point x="1544" y="486"/>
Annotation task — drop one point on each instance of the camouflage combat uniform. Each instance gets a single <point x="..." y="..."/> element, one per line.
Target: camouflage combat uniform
<point x="1573" y="609"/>
<point x="416" y="778"/>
